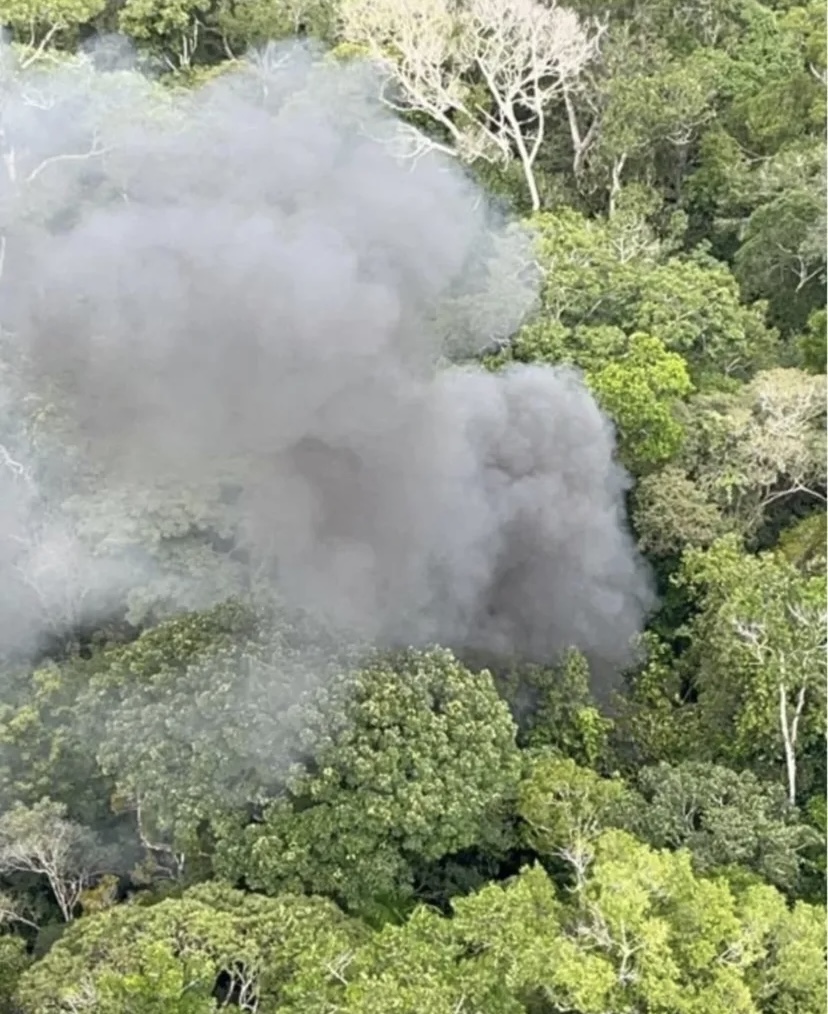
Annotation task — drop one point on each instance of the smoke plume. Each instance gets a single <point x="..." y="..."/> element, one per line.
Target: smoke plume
<point x="247" y="288"/>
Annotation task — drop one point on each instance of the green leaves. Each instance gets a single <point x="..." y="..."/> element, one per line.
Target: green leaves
<point x="13" y="962"/>
<point x="608" y="281"/>
<point x="747" y="455"/>
<point x="37" y="24"/>
<point x="693" y="305"/>
<point x="638" y="391"/>
<point x="201" y="717"/>
<point x="172" y="28"/>
<point x="671" y="512"/>
<point x="763" y="623"/>
<point x="782" y="255"/>
<point x="724" y="818"/>
<point x="188" y="954"/>
<point x="565" y="808"/>
<point x="682" y="257"/>
<point x="243" y="25"/>
<point x="641" y="932"/>
<point x="410" y="761"/>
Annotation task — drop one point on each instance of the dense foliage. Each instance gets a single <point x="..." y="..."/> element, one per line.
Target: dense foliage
<point x="195" y="814"/>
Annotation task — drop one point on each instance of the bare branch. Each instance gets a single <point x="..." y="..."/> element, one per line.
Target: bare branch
<point x="41" y="840"/>
<point x="36" y="51"/>
<point x="526" y="54"/>
<point x="82" y="156"/>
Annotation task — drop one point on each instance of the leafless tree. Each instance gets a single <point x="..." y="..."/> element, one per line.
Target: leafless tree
<point x="484" y="71"/>
<point x="771" y="447"/>
<point x="41" y="840"/>
<point x="788" y="430"/>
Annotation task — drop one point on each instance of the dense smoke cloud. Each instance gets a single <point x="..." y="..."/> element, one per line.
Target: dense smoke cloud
<point x="250" y="281"/>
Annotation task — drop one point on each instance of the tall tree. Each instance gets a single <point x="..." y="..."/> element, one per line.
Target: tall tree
<point x="764" y="624"/>
<point x="212" y="948"/>
<point x="407" y="761"/>
<point x="40" y="840"/>
<point x="484" y="73"/>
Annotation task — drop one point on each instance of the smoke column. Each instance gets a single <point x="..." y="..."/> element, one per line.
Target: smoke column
<point x="249" y="279"/>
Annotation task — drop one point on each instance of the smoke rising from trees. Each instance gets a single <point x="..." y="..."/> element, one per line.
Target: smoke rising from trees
<point x="250" y="282"/>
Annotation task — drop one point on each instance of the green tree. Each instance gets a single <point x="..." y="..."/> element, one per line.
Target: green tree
<point x="660" y="927"/>
<point x="784" y="949"/>
<point x="763" y="623"/>
<point x="638" y="391"/>
<point x="199" y="716"/>
<point x="408" y="761"/>
<point x="502" y="951"/>
<point x="804" y="544"/>
<point x="657" y="720"/>
<point x="242" y="25"/>
<point x="672" y="512"/>
<point x="173" y="30"/>
<point x="38" y="25"/>
<point x="725" y="818"/>
<point x="13" y="962"/>
<point x="782" y="254"/>
<point x="643" y="932"/>
<point x="654" y="107"/>
<point x="191" y="955"/>
<point x="693" y="305"/>
<point x="813" y="344"/>
<point x="565" y="808"/>
<point x="752" y="456"/>
<point x="554" y="708"/>
<point x="43" y="751"/>
<point x="607" y="280"/>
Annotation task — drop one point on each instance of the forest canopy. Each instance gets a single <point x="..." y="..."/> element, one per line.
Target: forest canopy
<point x="412" y="507"/>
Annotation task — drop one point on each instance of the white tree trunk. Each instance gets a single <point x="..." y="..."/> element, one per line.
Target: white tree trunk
<point x="790" y="731"/>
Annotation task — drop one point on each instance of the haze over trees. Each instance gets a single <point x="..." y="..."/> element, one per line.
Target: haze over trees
<point x="351" y="660"/>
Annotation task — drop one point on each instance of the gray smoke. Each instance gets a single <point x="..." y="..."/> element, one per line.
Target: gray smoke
<point x="249" y="281"/>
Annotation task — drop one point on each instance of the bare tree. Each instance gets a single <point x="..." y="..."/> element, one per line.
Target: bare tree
<point x="770" y="445"/>
<point x="24" y="156"/>
<point x="788" y="432"/>
<point x="484" y="71"/>
<point x="40" y="840"/>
